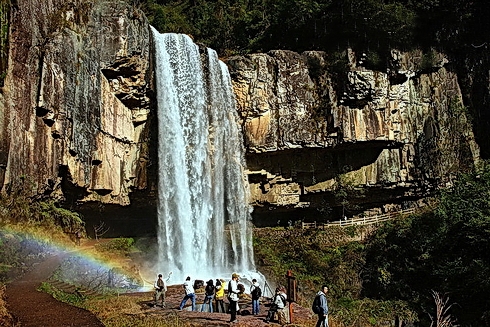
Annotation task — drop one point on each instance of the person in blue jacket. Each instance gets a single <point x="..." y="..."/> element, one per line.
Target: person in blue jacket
<point x="321" y="300"/>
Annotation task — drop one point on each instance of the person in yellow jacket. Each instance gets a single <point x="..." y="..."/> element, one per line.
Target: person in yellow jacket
<point x="220" y="294"/>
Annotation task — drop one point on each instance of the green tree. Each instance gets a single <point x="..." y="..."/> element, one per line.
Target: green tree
<point x="445" y="250"/>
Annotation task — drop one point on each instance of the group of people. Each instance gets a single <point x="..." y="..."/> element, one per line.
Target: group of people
<point x="216" y="291"/>
<point x="213" y="291"/>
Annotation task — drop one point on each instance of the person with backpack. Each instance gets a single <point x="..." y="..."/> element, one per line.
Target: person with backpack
<point x="283" y="314"/>
<point x="256" y="293"/>
<point x="320" y="307"/>
<point x="209" y="295"/>
<point x="278" y="304"/>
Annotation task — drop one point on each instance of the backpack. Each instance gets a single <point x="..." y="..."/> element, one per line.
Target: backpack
<point x="316" y="306"/>
<point x="256" y="292"/>
<point x="283" y="300"/>
<point x="209" y="290"/>
<point x="229" y="290"/>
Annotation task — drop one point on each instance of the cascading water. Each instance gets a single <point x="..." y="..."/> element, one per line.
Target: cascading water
<point x="203" y="211"/>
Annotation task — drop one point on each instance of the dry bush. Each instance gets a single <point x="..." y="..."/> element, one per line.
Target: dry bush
<point x="443" y="317"/>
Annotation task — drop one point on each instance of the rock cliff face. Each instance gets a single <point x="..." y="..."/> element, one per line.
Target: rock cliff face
<point x="77" y="106"/>
<point x="76" y="100"/>
<point x="370" y="137"/>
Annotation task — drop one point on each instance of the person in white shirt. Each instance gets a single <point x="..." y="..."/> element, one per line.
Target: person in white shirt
<point x="233" y="296"/>
<point x="278" y="304"/>
<point x="189" y="294"/>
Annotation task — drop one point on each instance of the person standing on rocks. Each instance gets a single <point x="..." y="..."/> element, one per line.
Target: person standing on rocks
<point x="233" y="296"/>
<point x="209" y="295"/>
<point x="256" y="293"/>
<point x="189" y="294"/>
<point x="277" y="306"/>
<point x="283" y="313"/>
<point x="160" y="289"/>
<point x="220" y="294"/>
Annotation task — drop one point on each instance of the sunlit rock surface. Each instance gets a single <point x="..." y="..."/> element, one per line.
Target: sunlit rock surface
<point x="76" y="100"/>
<point x="403" y="129"/>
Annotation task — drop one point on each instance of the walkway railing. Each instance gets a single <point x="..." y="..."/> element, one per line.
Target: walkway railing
<point x="359" y="220"/>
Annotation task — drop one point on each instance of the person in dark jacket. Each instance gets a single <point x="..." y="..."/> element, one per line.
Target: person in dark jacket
<point x="256" y="293"/>
<point x="208" y="298"/>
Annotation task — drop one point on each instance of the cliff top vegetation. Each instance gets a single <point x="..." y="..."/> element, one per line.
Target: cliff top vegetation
<point x="243" y="26"/>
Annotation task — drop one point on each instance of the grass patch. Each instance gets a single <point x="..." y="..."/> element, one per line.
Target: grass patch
<point x="121" y="311"/>
<point x="121" y="245"/>
<point x="116" y="311"/>
<point x="60" y="295"/>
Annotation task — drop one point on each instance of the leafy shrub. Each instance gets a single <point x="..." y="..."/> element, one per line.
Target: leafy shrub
<point x="121" y="244"/>
<point x="429" y="60"/>
<point x="62" y="296"/>
<point x="18" y="208"/>
<point x="334" y="256"/>
<point x="68" y="220"/>
<point x="445" y="248"/>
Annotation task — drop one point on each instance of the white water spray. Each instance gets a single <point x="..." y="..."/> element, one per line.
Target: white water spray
<point x="203" y="212"/>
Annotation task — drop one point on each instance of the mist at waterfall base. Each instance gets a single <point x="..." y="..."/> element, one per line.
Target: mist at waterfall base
<point x="204" y="217"/>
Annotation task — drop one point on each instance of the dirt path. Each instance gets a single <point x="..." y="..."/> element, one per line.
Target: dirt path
<point x="32" y="308"/>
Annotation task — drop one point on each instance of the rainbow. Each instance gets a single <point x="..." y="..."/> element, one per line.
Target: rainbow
<point x="81" y="265"/>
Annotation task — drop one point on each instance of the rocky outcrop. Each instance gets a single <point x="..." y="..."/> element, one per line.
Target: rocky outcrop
<point x="76" y="100"/>
<point x="313" y="131"/>
<point x="76" y="114"/>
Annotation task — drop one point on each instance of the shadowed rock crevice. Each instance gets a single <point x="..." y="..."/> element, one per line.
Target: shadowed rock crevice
<point x="309" y="166"/>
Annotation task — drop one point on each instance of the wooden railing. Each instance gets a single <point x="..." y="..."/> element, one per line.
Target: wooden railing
<point x="359" y="220"/>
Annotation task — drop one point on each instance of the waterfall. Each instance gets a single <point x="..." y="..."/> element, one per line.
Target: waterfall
<point x="203" y="212"/>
